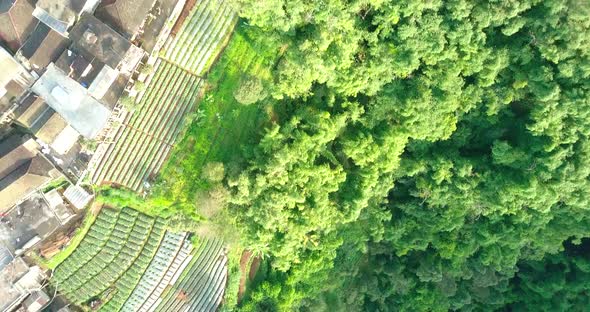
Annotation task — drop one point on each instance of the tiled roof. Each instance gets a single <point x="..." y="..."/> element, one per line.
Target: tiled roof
<point x="17" y="23"/>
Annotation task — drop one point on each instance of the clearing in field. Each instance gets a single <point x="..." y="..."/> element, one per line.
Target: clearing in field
<point x="128" y="261"/>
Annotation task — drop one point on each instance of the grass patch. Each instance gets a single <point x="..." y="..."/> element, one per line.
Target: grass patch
<point x="54" y="261"/>
<point x="221" y="126"/>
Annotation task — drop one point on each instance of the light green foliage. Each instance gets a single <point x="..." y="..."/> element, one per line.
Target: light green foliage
<point x="250" y="91"/>
<point x="213" y="172"/>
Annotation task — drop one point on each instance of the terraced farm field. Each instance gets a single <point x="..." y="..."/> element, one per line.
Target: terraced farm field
<point x="201" y="37"/>
<point x="143" y="141"/>
<point x="131" y="263"/>
<point x="202" y="284"/>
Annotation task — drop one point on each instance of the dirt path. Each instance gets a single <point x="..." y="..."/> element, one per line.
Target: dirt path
<point x="254" y="268"/>
<point x="243" y="263"/>
<point x="183" y="15"/>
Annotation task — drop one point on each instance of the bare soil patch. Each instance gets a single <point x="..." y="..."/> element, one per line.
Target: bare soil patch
<point x="186" y="10"/>
<point x="243" y="263"/>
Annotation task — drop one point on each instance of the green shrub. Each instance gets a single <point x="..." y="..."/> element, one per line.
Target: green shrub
<point x="250" y="91"/>
<point x="213" y="172"/>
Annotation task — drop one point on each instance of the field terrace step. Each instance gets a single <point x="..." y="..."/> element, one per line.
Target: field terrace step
<point x="161" y="263"/>
<point x="207" y="271"/>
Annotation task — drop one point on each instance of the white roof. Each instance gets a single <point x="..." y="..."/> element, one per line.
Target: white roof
<point x="72" y="101"/>
<point x="77" y="196"/>
<point x="10" y="68"/>
<point x="65" y="140"/>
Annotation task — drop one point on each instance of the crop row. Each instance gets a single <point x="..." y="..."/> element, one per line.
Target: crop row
<point x="131" y="279"/>
<point x="106" y="253"/>
<point x="202" y="283"/>
<point x="174" y="248"/>
<point x="208" y="25"/>
<point x="143" y="143"/>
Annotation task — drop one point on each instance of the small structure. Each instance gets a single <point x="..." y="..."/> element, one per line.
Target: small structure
<point x="72" y="101"/>
<point x="60" y="15"/>
<point x="36" y="301"/>
<point x="57" y="204"/>
<point x="18" y="283"/>
<point x="45" y="123"/>
<point x="22" y="170"/>
<point x="17" y="22"/>
<point x="14" y="79"/>
<point x="77" y="196"/>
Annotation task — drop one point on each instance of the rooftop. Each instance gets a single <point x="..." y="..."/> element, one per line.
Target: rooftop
<point x="31" y="218"/>
<point x="43" y="47"/>
<point x="17" y="22"/>
<point x="22" y="170"/>
<point x="58" y="14"/>
<point x="5" y="5"/>
<point x="94" y="39"/>
<point x="125" y="16"/>
<point x="72" y="102"/>
<point x="10" y="67"/>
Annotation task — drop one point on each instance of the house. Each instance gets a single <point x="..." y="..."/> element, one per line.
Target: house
<point x="86" y="81"/>
<point x="45" y="124"/>
<point x="60" y="15"/>
<point x="125" y="16"/>
<point x="36" y="301"/>
<point x="72" y="101"/>
<point x="17" y="22"/>
<point x="43" y="47"/>
<point x="94" y="39"/>
<point x="21" y="287"/>
<point x="14" y="79"/>
<point x="22" y="170"/>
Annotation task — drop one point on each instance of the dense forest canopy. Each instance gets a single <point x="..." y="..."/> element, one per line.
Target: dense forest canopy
<point x="430" y="155"/>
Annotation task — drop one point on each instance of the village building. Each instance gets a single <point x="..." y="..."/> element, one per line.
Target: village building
<point x="14" y="80"/>
<point x="60" y="15"/>
<point x="23" y="169"/>
<point x="21" y="286"/>
<point x="17" y="20"/>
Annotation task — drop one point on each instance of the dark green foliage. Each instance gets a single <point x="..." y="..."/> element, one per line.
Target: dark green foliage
<point x="426" y="152"/>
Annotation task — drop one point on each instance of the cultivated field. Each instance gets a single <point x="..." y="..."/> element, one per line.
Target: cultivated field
<point x="128" y="262"/>
<point x="201" y="37"/>
<point x="144" y="140"/>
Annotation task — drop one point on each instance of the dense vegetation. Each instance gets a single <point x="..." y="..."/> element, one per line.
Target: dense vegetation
<point x="425" y="151"/>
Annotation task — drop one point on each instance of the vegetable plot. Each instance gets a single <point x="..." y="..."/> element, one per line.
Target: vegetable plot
<point x="129" y="262"/>
<point x="202" y="284"/>
<point x="146" y="136"/>
<point x="201" y="37"/>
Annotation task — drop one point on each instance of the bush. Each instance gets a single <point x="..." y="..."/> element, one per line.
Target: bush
<point x="146" y="69"/>
<point x="213" y="172"/>
<point x="139" y="86"/>
<point x="127" y="101"/>
<point x="211" y="202"/>
<point x="250" y="91"/>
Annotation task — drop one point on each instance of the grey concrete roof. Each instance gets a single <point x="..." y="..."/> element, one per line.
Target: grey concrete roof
<point x="72" y="102"/>
<point x="31" y="218"/>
